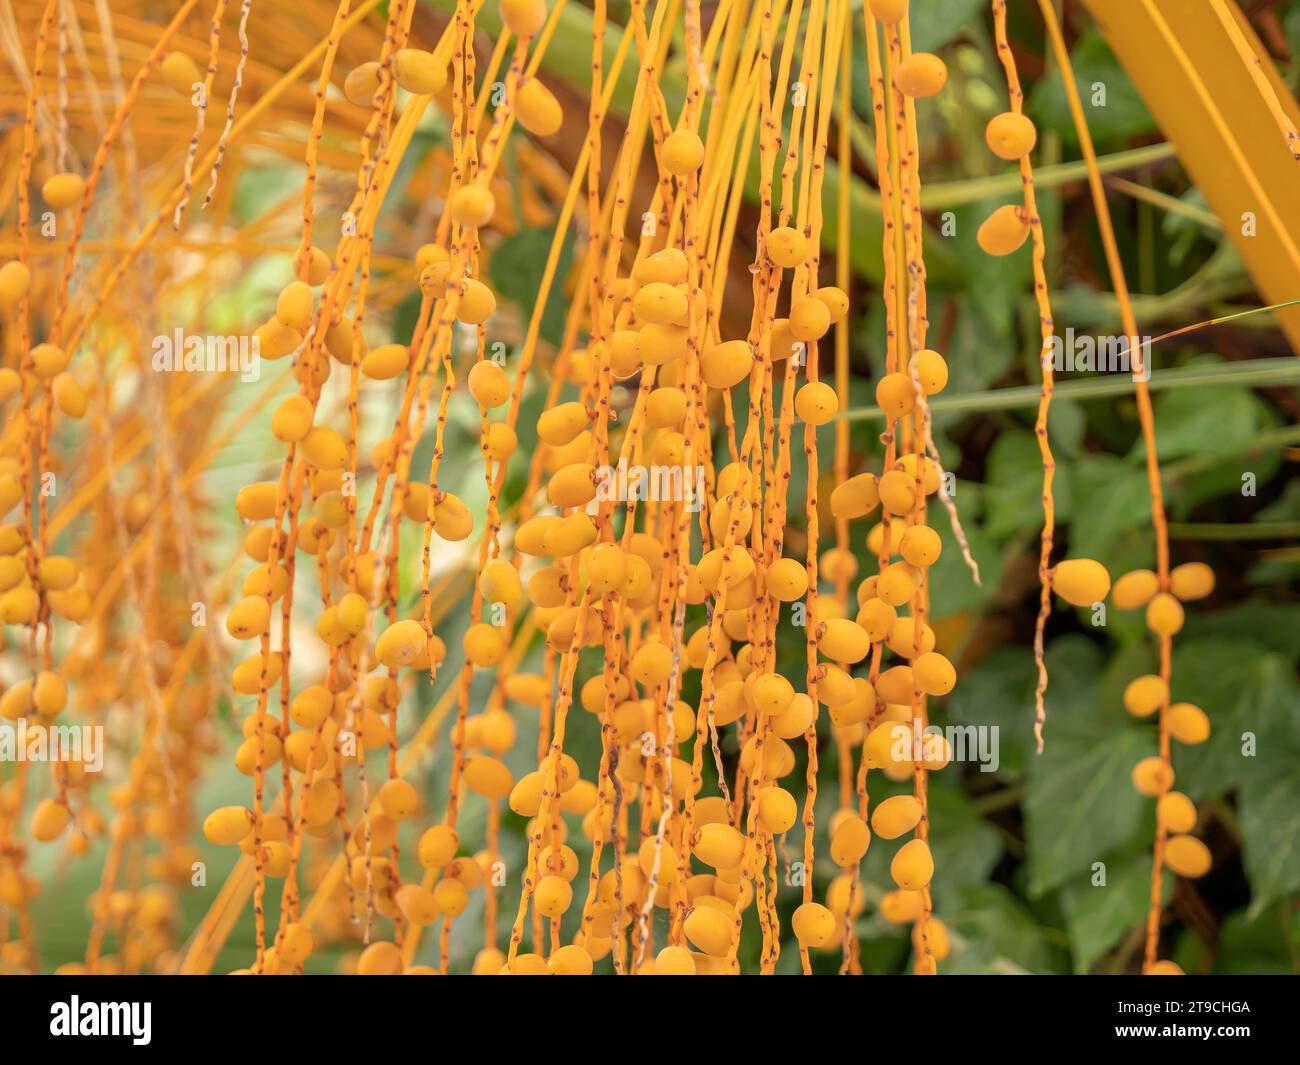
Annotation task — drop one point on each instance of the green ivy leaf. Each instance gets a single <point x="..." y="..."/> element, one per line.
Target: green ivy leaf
<point x="1080" y="804"/>
<point x="1123" y="115"/>
<point x="1099" y="916"/>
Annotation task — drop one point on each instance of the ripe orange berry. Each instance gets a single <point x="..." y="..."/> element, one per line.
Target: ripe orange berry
<point x="921" y="74"/>
<point x="1004" y="231"/>
<point x="1164" y="615"/>
<point x="1010" y="135"/>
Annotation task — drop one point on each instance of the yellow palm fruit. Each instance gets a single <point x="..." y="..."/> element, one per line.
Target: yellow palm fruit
<point x="1004" y="231"/>
<point x="837" y="302"/>
<point x="297" y="943"/>
<point x="1176" y="812"/>
<point x="311" y="706"/>
<point x="554" y="896"/>
<point x="786" y="247"/>
<point x="896" y="816"/>
<point x="69" y="396"/>
<point x="472" y="205"/>
<point x="890" y="742"/>
<point x="73" y="605"/>
<point x="386" y="362"/>
<point x="898" y="492"/>
<point x="1187" y="723"/>
<point x="452" y="519"/>
<point x="1010" y="135"/>
<point x="267" y="751"/>
<point x="856" y="497"/>
<point x="843" y="640"/>
<point x="477" y="303"/>
<point x="934" y="674"/>
<point x="1081" y="581"/>
<point x="725" y="365"/>
<point x="849" y="841"/>
<point x="931" y="371"/>
<point x="569" y="535"/>
<point x="814" y="925"/>
<point x="936" y="938"/>
<point x="772" y="694"/>
<point x="682" y="152"/>
<point x="499" y="582"/>
<point x="787" y="580"/>
<point x="275" y="340"/>
<point x="325" y="448"/>
<point x="561" y="424"/>
<point x="1165" y="615"/>
<point x="897" y="584"/>
<point x="361" y="84"/>
<point x="920" y="546"/>
<point x="419" y="72"/>
<point x="10" y="380"/>
<point x="19" y="606"/>
<point x="720" y="846"/>
<point x="15" y="282"/>
<point x="16" y="700"/>
<point x="380" y="959"/>
<point x="665" y="408"/>
<point x="920" y="75"/>
<point x="659" y="303"/>
<point x="607" y="567"/>
<point x="816" y="403"/>
<point x="1187" y="856"/>
<point x="489" y="384"/>
<point x="398" y="799"/>
<point x="1144" y="695"/>
<point x="351" y="613"/>
<point x="796" y="719"/>
<point x="12" y="571"/>
<point x="1135" y="589"/>
<point x="1191" y="580"/>
<point x="890" y="12"/>
<point x="489" y="777"/>
<point x="451" y="897"/>
<point x="674" y="961"/>
<point x="709" y="930"/>
<point x="572" y="486"/>
<point x="668" y="265"/>
<point x="901" y="907"/>
<point x="49" y="819"/>
<point x="49" y="694"/>
<point x="570" y="960"/>
<point x="1164" y="968"/>
<point x="63" y="190"/>
<point x="537" y="109"/>
<point x="227" y="825"/>
<point x="651" y="664"/>
<point x="1153" y="776"/>
<point x="292" y="419"/>
<point x="57" y="572"/>
<point x="777" y="809"/>
<point x="500" y="442"/>
<point x="48" y="361"/>
<point x="485" y="645"/>
<point x="810" y="319"/>
<point x="248" y="618"/>
<point x="523" y="17"/>
<point x="437" y="846"/>
<point x="293" y="305"/>
<point x="913" y="865"/>
<point x="401" y="643"/>
<point x="896" y="394"/>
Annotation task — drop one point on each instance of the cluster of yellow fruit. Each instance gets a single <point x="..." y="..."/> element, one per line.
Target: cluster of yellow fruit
<point x="686" y="813"/>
